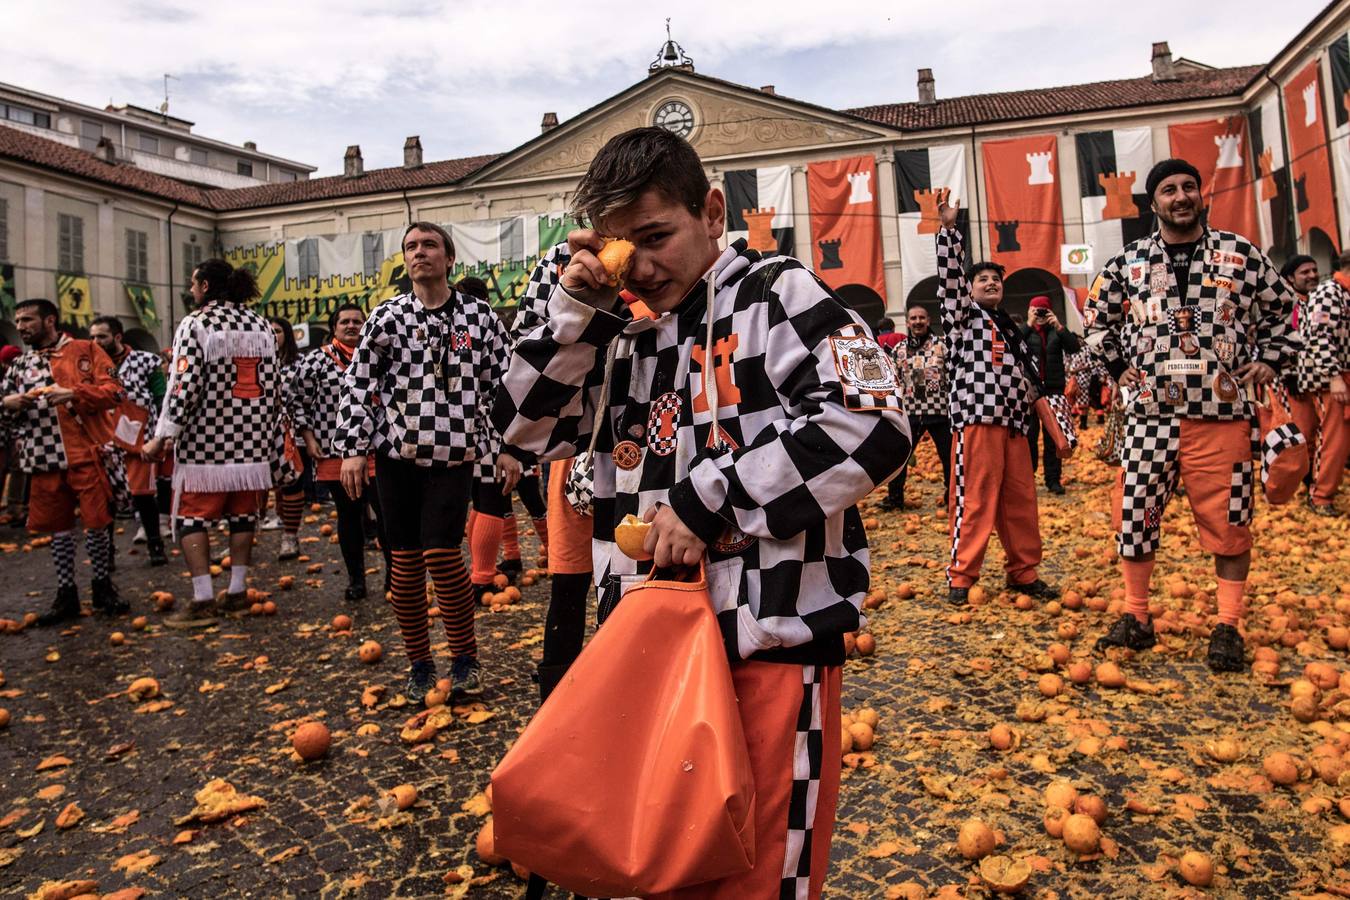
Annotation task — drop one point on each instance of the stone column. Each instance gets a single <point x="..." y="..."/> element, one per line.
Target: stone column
<point x="801" y="218"/>
<point x="889" y="210"/>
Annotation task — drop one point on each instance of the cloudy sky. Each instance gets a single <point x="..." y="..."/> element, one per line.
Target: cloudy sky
<point x="305" y="78"/>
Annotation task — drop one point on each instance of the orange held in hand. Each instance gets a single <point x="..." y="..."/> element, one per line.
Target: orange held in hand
<point x="617" y="256"/>
<point x="631" y="535"/>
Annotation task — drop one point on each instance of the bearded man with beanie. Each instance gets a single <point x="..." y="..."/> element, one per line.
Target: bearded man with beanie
<point x="1190" y="321"/>
<point x="1048" y="342"/>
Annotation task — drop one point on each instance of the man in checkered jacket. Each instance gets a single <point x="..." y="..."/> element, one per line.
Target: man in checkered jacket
<point x="921" y="366"/>
<point x="1322" y="370"/>
<point x="317" y="384"/>
<point x="142" y="377"/>
<point x="1187" y="320"/>
<point x="56" y="398"/>
<point x="418" y="390"/>
<point x="219" y="421"/>
<point x="811" y="418"/>
<point x="993" y="485"/>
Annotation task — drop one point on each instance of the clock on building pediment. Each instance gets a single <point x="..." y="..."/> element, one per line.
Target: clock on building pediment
<point x="675" y="116"/>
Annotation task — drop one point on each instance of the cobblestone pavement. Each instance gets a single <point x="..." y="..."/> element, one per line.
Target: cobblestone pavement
<point x="121" y="774"/>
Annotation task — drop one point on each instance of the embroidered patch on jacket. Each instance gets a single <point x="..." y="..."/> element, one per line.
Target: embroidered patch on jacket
<point x="1226" y="258"/>
<point x="663" y="424"/>
<point x="865" y="372"/>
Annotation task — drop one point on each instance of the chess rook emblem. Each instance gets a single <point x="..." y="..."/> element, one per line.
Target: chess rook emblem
<point x="1230" y="151"/>
<point x="928" y="211"/>
<point x="829" y="254"/>
<point x="1301" y="193"/>
<point x="664" y="423"/>
<point x="246" y="377"/>
<point x="1310" y="103"/>
<point x="1040" y="168"/>
<point x="727" y="392"/>
<point x="1007" y="237"/>
<point x="859" y="187"/>
<point x="1119" y="199"/>
<point x="759" y="222"/>
<point x="1267" y="163"/>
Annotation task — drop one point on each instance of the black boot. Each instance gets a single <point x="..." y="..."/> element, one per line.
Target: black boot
<point x="157" y="555"/>
<point x="106" y="598"/>
<point x="549" y="678"/>
<point x="356" y="590"/>
<point x="65" y="607"/>
<point x="511" y="568"/>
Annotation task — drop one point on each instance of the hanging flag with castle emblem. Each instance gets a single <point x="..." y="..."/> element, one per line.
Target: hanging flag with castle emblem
<point x="73" y="300"/>
<point x="919" y="175"/>
<point x="1310" y="163"/>
<point x="1270" y="174"/>
<point x="1026" y="221"/>
<point x="845" y="237"/>
<point x="1339" y="53"/>
<point x="1112" y="168"/>
<point x="1219" y="150"/>
<point x="142" y="299"/>
<point x="759" y="208"/>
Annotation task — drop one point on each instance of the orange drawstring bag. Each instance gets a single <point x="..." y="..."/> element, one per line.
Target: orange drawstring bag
<point x="633" y="777"/>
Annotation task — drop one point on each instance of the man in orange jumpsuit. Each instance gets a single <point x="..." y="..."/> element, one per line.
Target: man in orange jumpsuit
<point x="55" y="401"/>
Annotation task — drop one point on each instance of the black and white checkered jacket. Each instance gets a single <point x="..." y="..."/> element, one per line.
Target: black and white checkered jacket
<point x="988" y="387"/>
<point x="1236" y="303"/>
<point x="395" y="405"/>
<point x="316" y="388"/>
<point x="49" y="439"/>
<point x="223" y="400"/>
<point x="809" y="404"/>
<point x="135" y="371"/>
<point x="533" y="309"/>
<point x="922" y="370"/>
<point x="1324" y="327"/>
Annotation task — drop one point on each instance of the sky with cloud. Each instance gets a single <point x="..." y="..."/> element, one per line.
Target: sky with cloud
<point x="305" y="79"/>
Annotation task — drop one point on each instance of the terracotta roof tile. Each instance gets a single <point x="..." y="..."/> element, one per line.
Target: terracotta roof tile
<point x="979" y="109"/>
<point x="333" y="187"/>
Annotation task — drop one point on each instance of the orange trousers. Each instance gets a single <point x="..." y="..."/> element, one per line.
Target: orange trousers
<point x="789" y="713"/>
<point x="993" y="489"/>
<point x="1323" y="422"/>
<point x="569" y="535"/>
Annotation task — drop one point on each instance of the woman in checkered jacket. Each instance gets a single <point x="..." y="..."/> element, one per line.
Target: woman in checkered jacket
<point x="808" y="421"/>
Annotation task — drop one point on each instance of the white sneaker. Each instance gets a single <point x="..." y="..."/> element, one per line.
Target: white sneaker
<point x="290" y="547"/>
<point x="271" y="523"/>
<point x="140" y="536"/>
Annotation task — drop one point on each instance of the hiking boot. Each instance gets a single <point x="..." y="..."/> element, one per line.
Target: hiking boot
<point x="106" y="598"/>
<point x="421" y="678"/>
<point x="958" y="596"/>
<point x="157" y="554"/>
<point x="236" y="603"/>
<point x="1128" y="632"/>
<point x="290" y="548"/>
<point x="1037" y="589"/>
<point x="466" y="676"/>
<point x="1226" y="650"/>
<point x="65" y="607"/>
<point x="1326" y="510"/>
<point x="510" y="568"/>
<point x="1055" y="488"/>
<point x="356" y="590"/>
<point x="197" y="614"/>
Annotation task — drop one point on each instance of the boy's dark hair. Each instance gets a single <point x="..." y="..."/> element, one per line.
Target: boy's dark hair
<point x="986" y="266"/>
<point x="474" y="287"/>
<point x="225" y="282"/>
<point x="44" y="306"/>
<point x="448" y="241"/>
<point x="114" y="324"/>
<point x="633" y="162"/>
<point x="332" y="319"/>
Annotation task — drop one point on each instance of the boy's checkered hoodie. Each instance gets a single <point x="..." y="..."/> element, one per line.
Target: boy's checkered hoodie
<point x="1324" y="326"/>
<point x="808" y="401"/>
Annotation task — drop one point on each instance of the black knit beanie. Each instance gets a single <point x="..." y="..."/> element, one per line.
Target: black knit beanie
<point x="1166" y="169"/>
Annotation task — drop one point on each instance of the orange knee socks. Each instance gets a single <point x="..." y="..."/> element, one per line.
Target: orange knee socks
<point x="454" y="596"/>
<point x="1230" y="601"/>
<point x="484" y="540"/>
<point x="541" y="530"/>
<point x="1137" y="573"/>
<point x="510" y="538"/>
<point x="408" y="594"/>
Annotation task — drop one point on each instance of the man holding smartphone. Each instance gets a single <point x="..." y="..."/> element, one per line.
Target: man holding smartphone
<point x="1048" y="342"/>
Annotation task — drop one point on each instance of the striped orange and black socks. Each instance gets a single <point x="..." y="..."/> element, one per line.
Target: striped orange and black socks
<point x="454" y="596"/>
<point x="291" y="509"/>
<point x="408" y="595"/>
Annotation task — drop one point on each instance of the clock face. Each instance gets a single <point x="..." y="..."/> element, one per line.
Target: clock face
<point x="675" y="116"/>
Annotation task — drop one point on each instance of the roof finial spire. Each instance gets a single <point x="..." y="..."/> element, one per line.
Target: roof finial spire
<point x="671" y="56"/>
